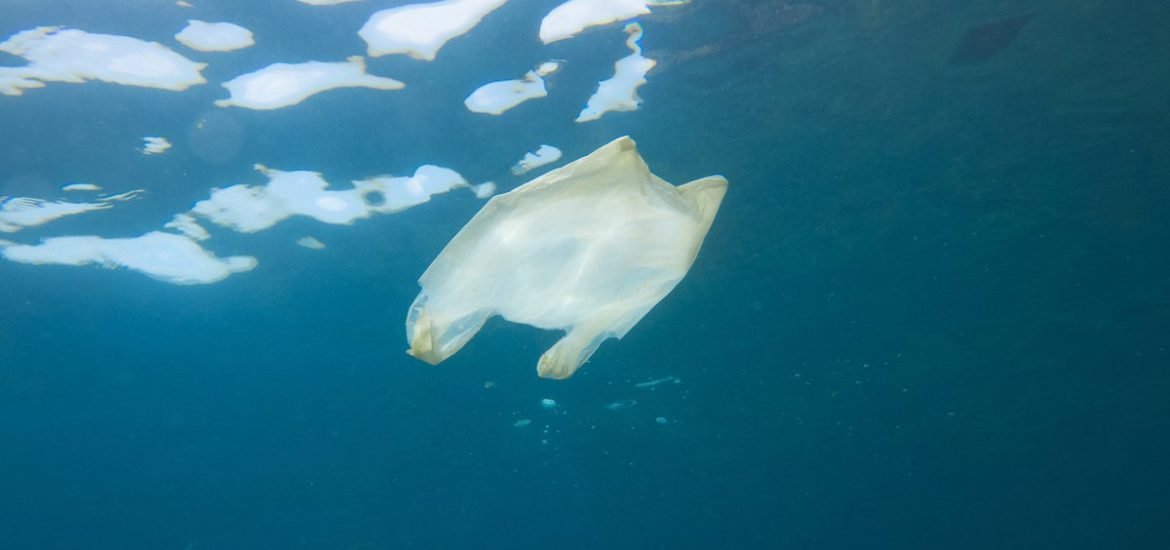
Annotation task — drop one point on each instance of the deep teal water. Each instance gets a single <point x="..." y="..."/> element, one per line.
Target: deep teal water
<point x="933" y="311"/>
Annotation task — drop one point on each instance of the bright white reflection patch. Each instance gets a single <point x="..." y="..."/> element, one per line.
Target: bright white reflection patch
<point x="69" y="55"/>
<point x="283" y="84"/>
<point x="152" y="145"/>
<point x="620" y="93"/>
<point x="187" y="225"/>
<point x="17" y="213"/>
<point x="494" y="98"/>
<point x="544" y="155"/>
<point x="387" y="195"/>
<point x="484" y="190"/>
<point x="81" y="187"/>
<point x="420" y="30"/>
<point x="575" y="16"/>
<point x="163" y="256"/>
<point x="311" y="243"/>
<point x="214" y="37"/>
<point x="302" y="193"/>
<point x="326" y="2"/>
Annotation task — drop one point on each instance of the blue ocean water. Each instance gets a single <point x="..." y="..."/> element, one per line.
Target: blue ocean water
<point x="933" y="311"/>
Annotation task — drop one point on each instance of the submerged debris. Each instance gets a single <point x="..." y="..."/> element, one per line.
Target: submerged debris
<point x="657" y="381"/>
<point x="619" y="405"/>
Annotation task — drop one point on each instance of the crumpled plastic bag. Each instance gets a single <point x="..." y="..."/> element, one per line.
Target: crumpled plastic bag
<point x="588" y="248"/>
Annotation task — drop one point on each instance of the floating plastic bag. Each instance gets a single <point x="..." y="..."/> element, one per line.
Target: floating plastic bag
<point x="587" y="248"/>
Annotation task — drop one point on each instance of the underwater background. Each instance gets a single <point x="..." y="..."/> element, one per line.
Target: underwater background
<point x="933" y="311"/>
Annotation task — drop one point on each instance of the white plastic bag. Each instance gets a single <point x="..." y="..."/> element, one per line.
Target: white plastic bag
<point x="587" y="248"/>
